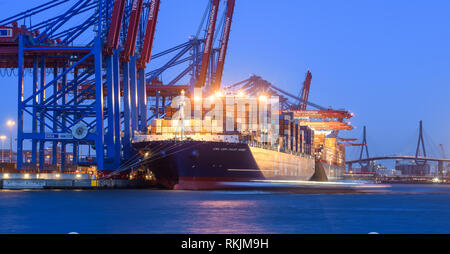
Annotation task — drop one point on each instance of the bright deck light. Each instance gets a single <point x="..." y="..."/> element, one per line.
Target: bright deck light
<point x="262" y="98"/>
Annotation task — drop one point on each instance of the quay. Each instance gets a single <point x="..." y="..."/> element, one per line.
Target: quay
<point x="36" y="181"/>
<point x="16" y="181"/>
<point x="397" y="179"/>
<point x="412" y="180"/>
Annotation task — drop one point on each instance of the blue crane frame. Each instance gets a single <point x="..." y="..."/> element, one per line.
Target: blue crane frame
<point x="58" y="105"/>
<point x="63" y="108"/>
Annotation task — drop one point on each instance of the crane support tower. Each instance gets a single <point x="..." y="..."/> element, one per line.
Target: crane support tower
<point x="89" y="85"/>
<point x="74" y="96"/>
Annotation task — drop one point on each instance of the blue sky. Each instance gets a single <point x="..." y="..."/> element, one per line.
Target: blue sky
<point x="386" y="61"/>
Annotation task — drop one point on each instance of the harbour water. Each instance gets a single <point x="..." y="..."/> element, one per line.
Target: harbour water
<point x="399" y="209"/>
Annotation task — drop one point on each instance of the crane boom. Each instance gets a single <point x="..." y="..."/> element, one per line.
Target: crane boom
<point x="149" y="34"/>
<point x="347" y="139"/>
<point x="208" y="43"/>
<point x="133" y="25"/>
<point x="329" y="113"/>
<point x="328" y="125"/>
<point x="305" y="90"/>
<point x="112" y="41"/>
<point x="224" y="44"/>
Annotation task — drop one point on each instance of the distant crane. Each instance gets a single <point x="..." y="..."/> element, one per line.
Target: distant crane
<point x="300" y="109"/>
<point x="305" y="90"/>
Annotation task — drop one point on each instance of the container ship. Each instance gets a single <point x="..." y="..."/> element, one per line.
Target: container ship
<point x="235" y="139"/>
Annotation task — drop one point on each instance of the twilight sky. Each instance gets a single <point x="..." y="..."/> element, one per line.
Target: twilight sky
<point x="386" y="61"/>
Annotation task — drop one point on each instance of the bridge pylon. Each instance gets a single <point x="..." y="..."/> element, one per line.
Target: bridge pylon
<point x="364" y="150"/>
<point x="421" y="144"/>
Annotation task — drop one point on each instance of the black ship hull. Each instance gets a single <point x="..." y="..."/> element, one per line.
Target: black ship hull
<point x="207" y="165"/>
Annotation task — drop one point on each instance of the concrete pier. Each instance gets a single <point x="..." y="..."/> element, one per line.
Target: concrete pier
<point x="17" y="181"/>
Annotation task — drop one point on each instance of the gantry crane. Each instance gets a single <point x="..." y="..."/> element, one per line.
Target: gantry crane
<point x="112" y="41"/>
<point x="320" y="119"/>
<point x="208" y="44"/>
<point x="305" y="90"/>
<point x="223" y="45"/>
<point x="79" y="105"/>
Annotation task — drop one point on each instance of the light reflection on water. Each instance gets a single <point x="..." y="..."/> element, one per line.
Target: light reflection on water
<point x="405" y="209"/>
<point x="224" y="216"/>
<point x="225" y="204"/>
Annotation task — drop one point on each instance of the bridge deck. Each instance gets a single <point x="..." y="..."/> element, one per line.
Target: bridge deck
<point x="398" y="157"/>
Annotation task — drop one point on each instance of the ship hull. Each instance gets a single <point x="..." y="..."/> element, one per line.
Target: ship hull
<point x="197" y="165"/>
<point x="276" y="165"/>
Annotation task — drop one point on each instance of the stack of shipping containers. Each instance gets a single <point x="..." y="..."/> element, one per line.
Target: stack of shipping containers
<point x="331" y="151"/>
<point x="251" y="118"/>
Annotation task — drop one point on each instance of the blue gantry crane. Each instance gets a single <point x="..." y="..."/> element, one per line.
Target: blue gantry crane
<point x="90" y="83"/>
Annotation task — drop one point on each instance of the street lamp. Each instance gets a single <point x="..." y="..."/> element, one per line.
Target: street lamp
<point x="2" y="138"/>
<point x="10" y="123"/>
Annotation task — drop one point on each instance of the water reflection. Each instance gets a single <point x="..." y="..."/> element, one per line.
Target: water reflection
<point x="405" y="209"/>
<point x="224" y="216"/>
